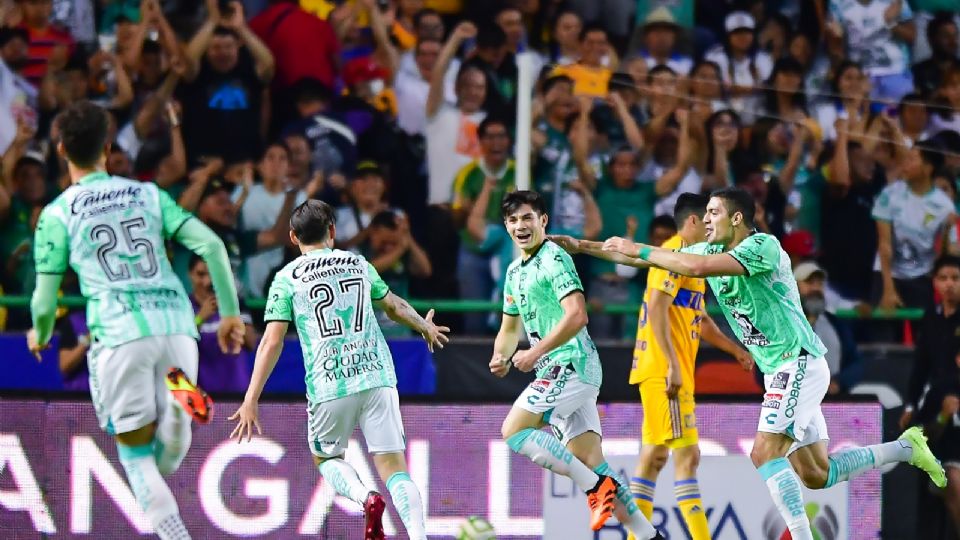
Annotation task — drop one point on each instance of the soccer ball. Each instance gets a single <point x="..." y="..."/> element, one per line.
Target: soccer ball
<point x="476" y="528"/>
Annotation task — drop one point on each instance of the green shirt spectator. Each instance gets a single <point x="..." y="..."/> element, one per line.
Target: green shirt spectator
<point x="469" y="183"/>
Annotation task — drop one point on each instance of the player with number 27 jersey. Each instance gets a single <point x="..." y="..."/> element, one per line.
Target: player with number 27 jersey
<point x="328" y="294"/>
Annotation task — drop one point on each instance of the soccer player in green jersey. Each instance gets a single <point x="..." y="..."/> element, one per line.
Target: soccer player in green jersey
<point x="111" y="231"/>
<point x="542" y="287"/>
<point x="328" y="295"/>
<point x="751" y="277"/>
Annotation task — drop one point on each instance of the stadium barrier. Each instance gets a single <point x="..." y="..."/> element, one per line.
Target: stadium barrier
<point x="475" y="306"/>
<point x="61" y="478"/>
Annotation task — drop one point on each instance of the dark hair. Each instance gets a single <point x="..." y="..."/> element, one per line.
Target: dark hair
<point x="467" y="67"/>
<point x="786" y="65"/>
<point x="940" y="20"/>
<point x="151" y="47"/>
<point x="708" y="128"/>
<point x="514" y="200"/>
<point x="910" y="99"/>
<point x="194" y="261"/>
<point x="690" y="204"/>
<point x="623" y="149"/>
<point x="308" y="89"/>
<point x="491" y="36"/>
<point x="280" y="143"/>
<point x="842" y="67"/>
<point x="554" y="80"/>
<point x="658" y="69"/>
<point x="310" y="222"/>
<point x="420" y="42"/>
<point x="948" y="140"/>
<point x="751" y="55"/>
<point x="662" y="222"/>
<point x="489" y="121"/>
<point x="735" y="200"/>
<point x="83" y="131"/>
<point x="589" y="28"/>
<point x="945" y="261"/>
<point x="425" y="12"/>
<point x="716" y="68"/>
<point x="386" y="218"/>
<point x="931" y="152"/>
<point x="223" y="31"/>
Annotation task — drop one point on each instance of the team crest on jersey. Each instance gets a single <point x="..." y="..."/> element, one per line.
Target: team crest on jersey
<point x="510" y="300"/>
<point x="669" y="285"/>
<point x="751" y="334"/>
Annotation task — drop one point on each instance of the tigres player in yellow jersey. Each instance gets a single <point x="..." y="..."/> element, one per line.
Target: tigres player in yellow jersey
<point x="672" y="321"/>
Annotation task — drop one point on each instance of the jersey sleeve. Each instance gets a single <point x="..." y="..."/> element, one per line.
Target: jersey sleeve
<point x="702" y="248"/>
<point x="51" y="247"/>
<point x="882" y="210"/>
<point x="758" y="254"/>
<point x="509" y="302"/>
<point x="172" y="214"/>
<point x="279" y="301"/>
<point x="663" y="280"/>
<point x="563" y="275"/>
<point x="378" y="288"/>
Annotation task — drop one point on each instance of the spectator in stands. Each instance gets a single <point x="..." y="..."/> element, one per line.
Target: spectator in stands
<point x="218" y="371"/>
<point x="722" y="132"/>
<point x="333" y="145"/>
<point x="660" y="33"/>
<point x="945" y="54"/>
<point x="851" y="89"/>
<point x="614" y="17"/>
<point x="451" y="132"/>
<point x="397" y="257"/>
<point x="785" y="97"/>
<point x="626" y="206"/>
<point x="288" y="31"/>
<point x="428" y="26"/>
<point x="620" y="118"/>
<point x="878" y="34"/>
<point x="228" y="68"/>
<point x="476" y="258"/>
<point x="300" y="173"/>
<point x="261" y="210"/>
<point x="499" y="66"/>
<point x="743" y="65"/>
<point x="911" y="217"/>
<point x="661" y="229"/>
<point x="403" y="31"/>
<point x="842" y="356"/>
<point x="565" y="48"/>
<point x="46" y="41"/>
<point x="914" y="118"/>
<point x="366" y="198"/>
<point x="72" y="349"/>
<point x="670" y="167"/>
<point x="412" y="88"/>
<point x="589" y="74"/>
<point x="946" y="115"/>
<point x="28" y="193"/>
<point x="706" y="86"/>
<point x="18" y="97"/>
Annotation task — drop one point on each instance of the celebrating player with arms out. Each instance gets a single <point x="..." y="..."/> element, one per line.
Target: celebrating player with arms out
<point x="751" y="276"/>
<point x="672" y="321"/>
<point x="329" y="295"/>
<point x="543" y="287"/>
<point x="111" y="231"/>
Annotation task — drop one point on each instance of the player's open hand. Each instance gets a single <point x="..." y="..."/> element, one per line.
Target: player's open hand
<point x="745" y="359"/>
<point x="230" y="334"/>
<point x="568" y="243"/>
<point x="247" y="417"/>
<point x="34" y="345"/>
<point x="499" y="365"/>
<point x="620" y="245"/>
<point x="435" y="336"/>
<point x="525" y="360"/>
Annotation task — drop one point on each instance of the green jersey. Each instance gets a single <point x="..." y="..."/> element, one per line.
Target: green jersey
<point x="763" y="306"/>
<point x="111" y="231"/>
<point x="327" y="294"/>
<point x="533" y="290"/>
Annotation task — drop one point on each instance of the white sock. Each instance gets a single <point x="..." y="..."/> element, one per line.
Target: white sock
<point x="784" y="486"/>
<point x="344" y="480"/>
<point x="406" y="498"/>
<point x="173" y="437"/>
<point x="546" y="451"/>
<point x="852" y="462"/>
<point x="151" y="492"/>
<point x="626" y="510"/>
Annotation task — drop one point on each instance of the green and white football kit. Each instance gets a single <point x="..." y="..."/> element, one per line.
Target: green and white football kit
<point x="568" y="379"/>
<point x="328" y="295"/>
<point x="763" y="309"/>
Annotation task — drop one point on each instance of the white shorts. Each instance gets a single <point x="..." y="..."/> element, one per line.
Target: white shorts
<point x="127" y="383"/>
<point x="377" y="410"/>
<point x="791" y="404"/>
<point x="567" y="404"/>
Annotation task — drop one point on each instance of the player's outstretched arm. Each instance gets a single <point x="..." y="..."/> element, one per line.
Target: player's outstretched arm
<point x="687" y="264"/>
<point x="50" y="255"/>
<point x="574" y="246"/>
<point x="247" y="416"/>
<point x="399" y="310"/>
<point x="199" y="239"/>
<point x="505" y="344"/>
<point x="574" y="319"/>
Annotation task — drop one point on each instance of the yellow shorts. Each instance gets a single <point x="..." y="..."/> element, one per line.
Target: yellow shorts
<point x="667" y="422"/>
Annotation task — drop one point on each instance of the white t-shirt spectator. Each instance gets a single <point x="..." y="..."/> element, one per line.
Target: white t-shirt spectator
<point x="915" y="221"/>
<point x="452" y="142"/>
<point x="679" y="63"/>
<point x="259" y="213"/>
<point x="744" y="105"/>
<point x="350" y="222"/>
<point x="690" y="183"/>
<point x="869" y="41"/>
<point x="408" y="67"/>
<point x="411" y="91"/>
<point x="939" y="123"/>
